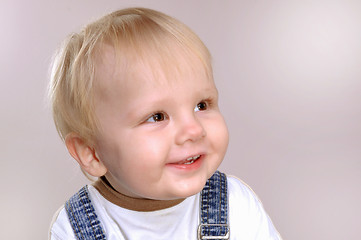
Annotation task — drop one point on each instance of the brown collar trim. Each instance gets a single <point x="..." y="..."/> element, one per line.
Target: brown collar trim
<point x="135" y="204"/>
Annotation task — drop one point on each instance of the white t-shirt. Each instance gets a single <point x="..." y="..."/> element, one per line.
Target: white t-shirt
<point x="247" y="218"/>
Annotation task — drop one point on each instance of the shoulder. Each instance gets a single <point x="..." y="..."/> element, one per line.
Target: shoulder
<point x="241" y="192"/>
<point x="60" y="227"/>
<point x="247" y="217"/>
<point x="85" y="199"/>
<point x="242" y="198"/>
<point x="238" y="187"/>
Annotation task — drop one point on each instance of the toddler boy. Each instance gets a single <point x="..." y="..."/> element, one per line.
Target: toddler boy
<point x="135" y="102"/>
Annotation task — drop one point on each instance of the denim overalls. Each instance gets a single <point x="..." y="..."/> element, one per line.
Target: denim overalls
<point x="213" y="212"/>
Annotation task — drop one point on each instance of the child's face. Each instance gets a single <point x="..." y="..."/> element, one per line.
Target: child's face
<point x="159" y="138"/>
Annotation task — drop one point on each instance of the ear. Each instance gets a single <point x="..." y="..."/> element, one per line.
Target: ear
<point x="85" y="155"/>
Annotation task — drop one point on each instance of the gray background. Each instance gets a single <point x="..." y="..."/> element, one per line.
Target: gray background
<point x="289" y="77"/>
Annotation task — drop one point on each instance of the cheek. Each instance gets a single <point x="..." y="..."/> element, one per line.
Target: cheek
<point x="111" y="150"/>
<point x="148" y="146"/>
<point x="218" y="132"/>
<point x="225" y="133"/>
<point x="140" y="151"/>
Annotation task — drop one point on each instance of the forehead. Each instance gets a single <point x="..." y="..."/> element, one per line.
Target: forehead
<point x="130" y="67"/>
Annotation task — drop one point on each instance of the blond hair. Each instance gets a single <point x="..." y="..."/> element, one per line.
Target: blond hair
<point x="131" y="31"/>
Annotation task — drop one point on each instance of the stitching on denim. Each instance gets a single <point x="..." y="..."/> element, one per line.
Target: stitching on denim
<point x="207" y="206"/>
<point x="214" y="206"/>
<point x="83" y="218"/>
<point x="76" y="227"/>
<point x="87" y="213"/>
<point x="220" y="200"/>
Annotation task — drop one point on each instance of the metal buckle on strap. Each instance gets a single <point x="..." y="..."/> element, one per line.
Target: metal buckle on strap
<point x="201" y="237"/>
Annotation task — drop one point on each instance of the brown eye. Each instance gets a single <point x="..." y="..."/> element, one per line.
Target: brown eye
<point x="201" y="106"/>
<point x="157" y="117"/>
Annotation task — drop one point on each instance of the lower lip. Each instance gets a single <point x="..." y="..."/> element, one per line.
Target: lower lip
<point x="193" y="166"/>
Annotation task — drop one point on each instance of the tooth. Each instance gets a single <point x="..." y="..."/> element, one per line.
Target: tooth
<point x="193" y="158"/>
<point x="189" y="162"/>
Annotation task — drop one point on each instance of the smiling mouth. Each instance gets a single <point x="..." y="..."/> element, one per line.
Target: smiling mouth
<point x="190" y="160"/>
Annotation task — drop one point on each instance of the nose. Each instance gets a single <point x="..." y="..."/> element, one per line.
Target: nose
<point x="189" y="130"/>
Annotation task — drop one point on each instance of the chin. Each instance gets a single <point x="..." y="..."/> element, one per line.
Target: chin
<point x="190" y="190"/>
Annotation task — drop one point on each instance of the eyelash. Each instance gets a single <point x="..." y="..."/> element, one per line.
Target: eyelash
<point x="161" y="116"/>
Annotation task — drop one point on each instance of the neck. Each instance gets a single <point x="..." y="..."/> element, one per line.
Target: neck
<point x="135" y="204"/>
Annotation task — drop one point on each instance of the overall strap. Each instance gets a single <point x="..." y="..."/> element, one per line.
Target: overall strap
<point x="214" y="208"/>
<point x="83" y="218"/>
